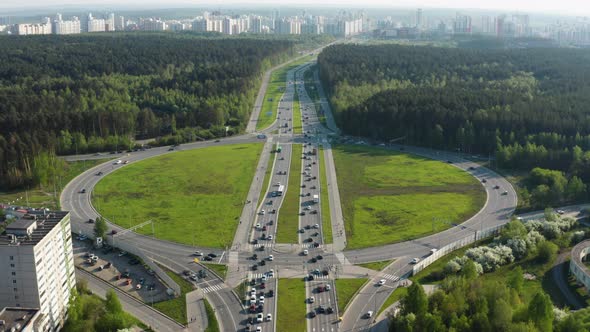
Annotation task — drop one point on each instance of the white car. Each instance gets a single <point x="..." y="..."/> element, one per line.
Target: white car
<point x="271" y="273"/>
<point x="560" y="211"/>
<point x="369" y="314"/>
<point x="271" y="257"/>
<point x="269" y="237"/>
<point x="328" y="287"/>
<point x="118" y="162"/>
<point x="268" y="317"/>
<point x="261" y="299"/>
<point x="264" y="278"/>
<point x="258" y="225"/>
<point x="381" y="282"/>
<point x="262" y="212"/>
<point x="415" y="260"/>
<point x="311" y="300"/>
<point x="258" y="328"/>
<point x="305" y="252"/>
<point x="316" y="226"/>
<point x="259" y="318"/>
<point x="433" y="250"/>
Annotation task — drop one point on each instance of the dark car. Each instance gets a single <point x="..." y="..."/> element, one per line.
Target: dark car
<point x="255" y="241"/>
<point x="208" y="259"/>
<point x="91" y="221"/>
<point x="113" y="232"/>
<point x="99" y="173"/>
<point x="262" y="262"/>
<point x="321" y="309"/>
<point x="82" y="191"/>
<point x="329" y="310"/>
<point x="270" y="293"/>
<point x="212" y="255"/>
<point x="315" y="244"/>
<point x="171" y="149"/>
<point x="314" y="260"/>
<point x="319" y="257"/>
<point x="312" y="314"/>
<point x="254" y="267"/>
<point x="310" y="277"/>
<point x="186" y="272"/>
<point x="484" y="180"/>
<point x="496" y="187"/>
<point x="471" y="168"/>
<point x="325" y="272"/>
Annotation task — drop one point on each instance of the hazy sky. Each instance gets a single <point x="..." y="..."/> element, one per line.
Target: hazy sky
<point x="574" y="7"/>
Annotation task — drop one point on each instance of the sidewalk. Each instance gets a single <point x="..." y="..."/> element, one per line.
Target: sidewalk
<point x="195" y="311"/>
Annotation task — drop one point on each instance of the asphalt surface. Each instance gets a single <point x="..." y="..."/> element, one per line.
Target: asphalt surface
<point x="228" y="307"/>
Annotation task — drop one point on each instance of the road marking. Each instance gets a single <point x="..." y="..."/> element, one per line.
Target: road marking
<point x="213" y="288"/>
<point x="220" y="258"/>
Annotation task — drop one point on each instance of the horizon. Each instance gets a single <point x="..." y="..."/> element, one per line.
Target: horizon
<point x="544" y="7"/>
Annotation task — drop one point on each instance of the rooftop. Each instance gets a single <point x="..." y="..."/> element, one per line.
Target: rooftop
<point x="45" y="222"/>
<point x="17" y="318"/>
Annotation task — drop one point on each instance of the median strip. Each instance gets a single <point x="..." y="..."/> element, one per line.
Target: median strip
<point x="288" y="223"/>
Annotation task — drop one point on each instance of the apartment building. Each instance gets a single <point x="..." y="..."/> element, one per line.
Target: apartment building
<point x="37" y="266"/>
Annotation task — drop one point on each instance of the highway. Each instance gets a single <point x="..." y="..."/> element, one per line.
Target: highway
<point x="287" y="259"/>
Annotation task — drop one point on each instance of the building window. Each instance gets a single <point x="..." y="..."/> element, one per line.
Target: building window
<point x="16" y="297"/>
<point x="13" y="281"/>
<point x="15" y="289"/>
<point x="11" y="258"/>
<point x="11" y="265"/>
<point x="13" y="273"/>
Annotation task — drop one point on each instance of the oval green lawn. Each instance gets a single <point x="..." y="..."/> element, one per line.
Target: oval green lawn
<point x="193" y="196"/>
<point x="389" y="197"/>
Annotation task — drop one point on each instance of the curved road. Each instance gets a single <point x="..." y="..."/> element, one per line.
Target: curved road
<point x="497" y="210"/>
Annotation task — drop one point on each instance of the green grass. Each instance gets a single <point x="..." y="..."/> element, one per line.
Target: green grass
<point x="288" y="222"/>
<point x="325" y="201"/>
<point x="213" y="325"/>
<point x="176" y="308"/>
<point x="274" y="92"/>
<point x="44" y="196"/>
<point x="389" y="197"/>
<point x="193" y="196"/>
<point x="267" y="176"/>
<point x="221" y="270"/>
<point x="345" y="290"/>
<point x="291" y="305"/>
<point x="377" y="266"/>
<point x="397" y="295"/>
<point x="297" y="124"/>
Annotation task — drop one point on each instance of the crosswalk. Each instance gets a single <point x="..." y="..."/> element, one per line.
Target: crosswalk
<point x="321" y="277"/>
<point x="265" y="244"/>
<point x="258" y="275"/>
<point x="213" y="288"/>
<point x="309" y="246"/>
<point x="391" y="277"/>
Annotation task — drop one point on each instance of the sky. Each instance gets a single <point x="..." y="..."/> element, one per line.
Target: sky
<point x="571" y="7"/>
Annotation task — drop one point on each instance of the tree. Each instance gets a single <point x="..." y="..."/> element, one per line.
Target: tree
<point x="469" y="271"/>
<point x="112" y="303"/>
<point x="501" y="318"/>
<point x="513" y="230"/>
<point x="546" y="251"/>
<point x="540" y="312"/>
<point x="576" y="189"/>
<point x="100" y="227"/>
<point x="416" y="301"/>
<point x="516" y="279"/>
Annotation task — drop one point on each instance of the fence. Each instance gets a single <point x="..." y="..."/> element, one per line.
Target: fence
<point x="477" y="235"/>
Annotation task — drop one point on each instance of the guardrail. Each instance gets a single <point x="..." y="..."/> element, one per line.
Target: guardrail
<point x="478" y="235"/>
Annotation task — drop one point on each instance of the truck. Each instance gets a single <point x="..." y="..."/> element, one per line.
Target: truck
<point x="316" y="199"/>
<point x="314" y="152"/>
<point x="281" y="190"/>
<point x="279" y="149"/>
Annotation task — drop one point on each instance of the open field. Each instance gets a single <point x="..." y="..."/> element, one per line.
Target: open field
<point x="276" y="88"/>
<point x="189" y="195"/>
<point x="176" y="308"/>
<point x="288" y="222"/>
<point x="389" y="196"/>
<point x="325" y="201"/>
<point x="45" y="197"/>
<point x="377" y="266"/>
<point x="291" y="305"/>
<point x="345" y="290"/>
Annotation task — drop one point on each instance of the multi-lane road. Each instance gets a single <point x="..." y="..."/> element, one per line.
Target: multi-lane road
<point x="257" y="231"/>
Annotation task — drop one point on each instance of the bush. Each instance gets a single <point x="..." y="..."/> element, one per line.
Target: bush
<point x="546" y="251"/>
<point x="518" y="246"/>
<point x="490" y="258"/>
<point x="578" y="236"/>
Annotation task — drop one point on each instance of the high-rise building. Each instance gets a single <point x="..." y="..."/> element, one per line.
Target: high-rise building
<point x="96" y="25"/>
<point x="37" y="266"/>
<point x="34" y="29"/>
<point x="67" y="27"/>
<point x="120" y="23"/>
<point x="487" y="26"/>
<point x="151" y="24"/>
<point x="256" y="24"/>
<point x="228" y="26"/>
<point x="419" y="23"/>
<point x="110" y="23"/>
<point x="462" y="24"/>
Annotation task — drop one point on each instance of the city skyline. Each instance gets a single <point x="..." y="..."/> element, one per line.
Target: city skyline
<point x="567" y="7"/>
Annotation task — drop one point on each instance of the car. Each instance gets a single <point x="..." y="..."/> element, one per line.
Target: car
<point x="82" y="191"/>
<point x="138" y="286"/>
<point x="171" y="149"/>
<point x="316" y="226"/>
<point x="319" y="257"/>
<point x="262" y="262"/>
<point x="381" y="282"/>
<point x="212" y="255"/>
<point x="198" y="253"/>
<point x="302" y="213"/>
<point x="329" y="310"/>
<point x="325" y="272"/>
<point x="271" y="273"/>
<point x="270" y="257"/>
<point x="263" y="228"/>
<point x="309" y="239"/>
<point x="99" y="173"/>
<point x="257" y="226"/>
<point x="207" y="258"/>
<point x="113" y="232"/>
<point x="255" y="241"/>
<point x="471" y="168"/>
<point x="504" y="193"/>
<point x="258" y="328"/>
<point x="264" y="278"/>
<point x="433" y="250"/>
<point x="307" y="207"/>
<point x="314" y="212"/>
<point x="316" y="245"/>
<point x="217" y="141"/>
<point x="311" y="299"/>
<point x="269" y="237"/>
<point x="270" y="293"/>
<point x="254" y="267"/>
<point x="303" y="186"/>
<point x="254" y="257"/>
<point x="312" y="314"/>
<point x="496" y="187"/>
<point x="118" y="162"/>
<point x="314" y="260"/>
<point x="449" y="162"/>
<point x="122" y="253"/>
<point x="328" y="287"/>
<point x="91" y="221"/>
<point x="259" y="318"/>
<point x="268" y="317"/>
<point x="126" y="162"/>
<point x="484" y="180"/>
<point x="321" y="309"/>
<point x="307" y="227"/>
<point x="560" y="211"/>
<point x="321" y="289"/>
<point x="261" y="299"/>
<point x="415" y="260"/>
<point x="261" y="248"/>
<point x="262" y="212"/>
<point x="310" y="277"/>
<point x="301" y="230"/>
<point x="369" y="314"/>
<point x="315" y="234"/>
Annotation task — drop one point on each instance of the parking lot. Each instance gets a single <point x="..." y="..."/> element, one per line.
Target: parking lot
<point x="121" y="270"/>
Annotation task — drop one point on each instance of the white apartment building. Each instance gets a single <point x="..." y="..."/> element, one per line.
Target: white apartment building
<point x="153" y="25"/>
<point x="67" y="27"/>
<point x="37" y="266"/>
<point x="33" y="29"/>
<point x="96" y="25"/>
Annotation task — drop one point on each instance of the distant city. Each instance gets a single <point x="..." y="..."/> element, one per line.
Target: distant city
<point x="418" y="24"/>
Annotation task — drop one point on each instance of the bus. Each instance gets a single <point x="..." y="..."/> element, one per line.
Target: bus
<point x="281" y="190"/>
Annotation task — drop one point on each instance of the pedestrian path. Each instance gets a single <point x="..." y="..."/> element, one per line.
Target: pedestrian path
<point x="213" y="288"/>
<point x="258" y="276"/>
<point x="265" y="244"/>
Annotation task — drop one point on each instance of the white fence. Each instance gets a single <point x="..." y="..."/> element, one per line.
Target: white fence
<point x="477" y="235"/>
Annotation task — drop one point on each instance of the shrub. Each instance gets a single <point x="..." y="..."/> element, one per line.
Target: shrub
<point x="546" y="251"/>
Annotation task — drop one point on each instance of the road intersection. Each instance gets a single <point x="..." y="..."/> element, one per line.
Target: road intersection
<point x="289" y="260"/>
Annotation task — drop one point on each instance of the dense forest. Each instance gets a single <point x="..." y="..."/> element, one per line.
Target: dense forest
<point x="528" y="107"/>
<point x="83" y="93"/>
